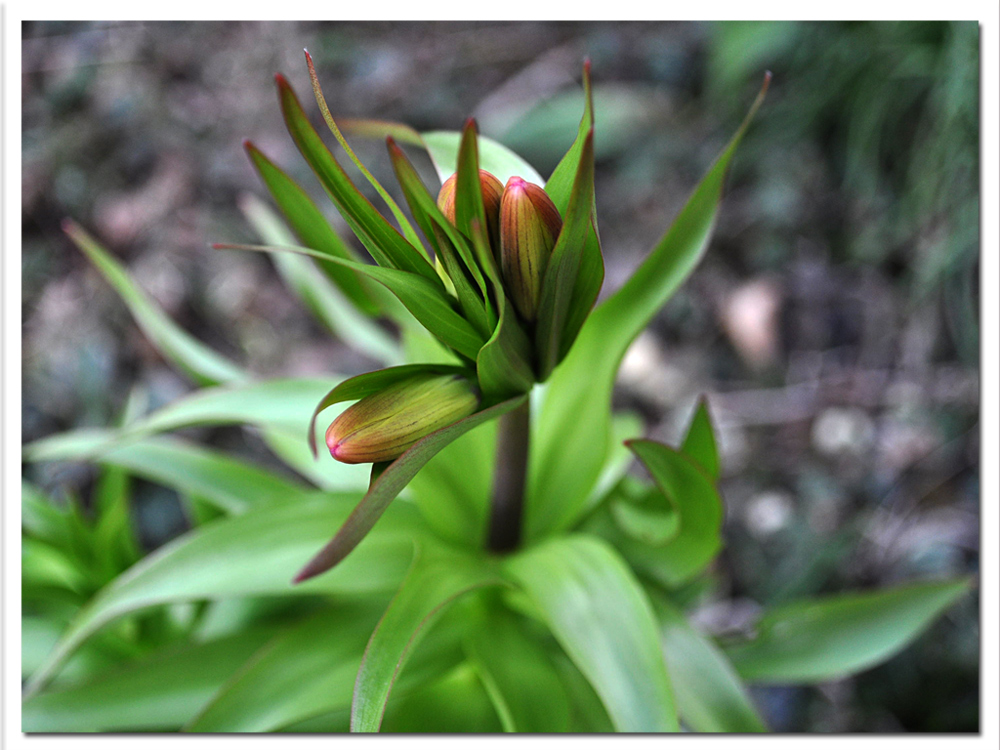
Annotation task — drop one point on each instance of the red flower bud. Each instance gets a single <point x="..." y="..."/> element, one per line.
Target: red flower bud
<point x="380" y="427"/>
<point x="529" y="226"/>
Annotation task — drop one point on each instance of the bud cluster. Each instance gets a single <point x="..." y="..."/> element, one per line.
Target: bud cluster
<point x="523" y="224"/>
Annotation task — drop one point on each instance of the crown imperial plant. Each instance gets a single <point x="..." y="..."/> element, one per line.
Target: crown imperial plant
<point x="574" y="575"/>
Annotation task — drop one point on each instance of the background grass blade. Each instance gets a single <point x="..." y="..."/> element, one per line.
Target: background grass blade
<point x="601" y="617"/>
<point x="190" y="356"/>
<point x="835" y="636"/>
<point x="494" y="157"/>
<point x="231" y="485"/>
<point x="345" y="317"/>
<point x="310" y="226"/>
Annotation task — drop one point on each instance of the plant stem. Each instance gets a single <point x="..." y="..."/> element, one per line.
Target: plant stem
<point x="508" y="480"/>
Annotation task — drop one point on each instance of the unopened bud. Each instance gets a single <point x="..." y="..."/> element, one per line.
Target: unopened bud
<point x="529" y="226"/>
<point x="380" y="427"/>
<point x="492" y="192"/>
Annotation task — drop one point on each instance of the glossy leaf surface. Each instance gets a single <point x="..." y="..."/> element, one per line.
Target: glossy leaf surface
<point x="601" y="617"/>
<point x="431" y="585"/>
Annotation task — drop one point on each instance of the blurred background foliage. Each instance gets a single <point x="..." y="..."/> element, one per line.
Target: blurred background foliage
<point x="833" y="324"/>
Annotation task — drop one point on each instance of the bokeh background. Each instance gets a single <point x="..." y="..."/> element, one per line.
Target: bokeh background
<point x="834" y="322"/>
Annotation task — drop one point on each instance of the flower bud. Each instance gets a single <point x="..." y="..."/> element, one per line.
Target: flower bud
<point x="529" y="226"/>
<point x="380" y="427"/>
<point x="492" y="191"/>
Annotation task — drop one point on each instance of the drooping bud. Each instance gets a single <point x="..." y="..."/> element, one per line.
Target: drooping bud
<point x="529" y="226"/>
<point x="492" y="192"/>
<point x="380" y="427"/>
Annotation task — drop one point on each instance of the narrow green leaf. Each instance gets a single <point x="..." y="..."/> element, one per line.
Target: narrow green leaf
<point x="196" y="360"/>
<point x="279" y="408"/>
<point x="432" y="584"/>
<point x="504" y="362"/>
<point x="392" y="481"/>
<point x="254" y="554"/>
<point x="428" y="303"/>
<point x="495" y="158"/>
<point x="519" y="675"/>
<point x="311" y="227"/>
<point x="451" y="247"/>
<point x="401" y="219"/>
<point x="560" y="183"/>
<point x="378" y="130"/>
<point x="560" y="188"/>
<point x="565" y="264"/>
<point x="386" y="245"/>
<point x="367" y="384"/>
<point x="698" y="505"/>
<point x="601" y="617"/>
<point x="326" y="301"/>
<point x="158" y="693"/>
<point x="699" y="443"/>
<point x="835" y="636"/>
<point x="231" y="485"/>
<point x="710" y="695"/>
<point x="575" y="418"/>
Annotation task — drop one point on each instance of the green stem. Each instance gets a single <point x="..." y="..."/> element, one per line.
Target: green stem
<point x="508" y="480"/>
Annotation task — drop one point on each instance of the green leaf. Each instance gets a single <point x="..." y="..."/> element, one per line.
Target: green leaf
<point x="433" y="583"/>
<point x="451" y="247"/>
<point x="590" y="274"/>
<point x="836" y="636"/>
<point x="602" y="618"/>
<point x="253" y="554"/>
<point x="710" y="695"/>
<point x="428" y="302"/>
<point x="504" y="362"/>
<point x="564" y="267"/>
<point x="699" y="443"/>
<point x="231" y="485"/>
<point x="453" y="489"/>
<point x="279" y="408"/>
<point x="159" y="693"/>
<point x="400" y="217"/>
<point x="305" y="671"/>
<point x="326" y="301"/>
<point x="572" y="441"/>
<point x="311" y="227"/>
<point x="696" y="502"/>
<point x="454" y="704"/>
<point x="390" y="483"/>
<point x="495" y="158"/>
<point x="518" y="674"/>
<point x="386" y="245"/>
<point x="196" y="360"/>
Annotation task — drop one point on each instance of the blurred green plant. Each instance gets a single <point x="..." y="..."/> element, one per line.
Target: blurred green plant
<point x="894" y="105"/>
<point x="523" y="581"/>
